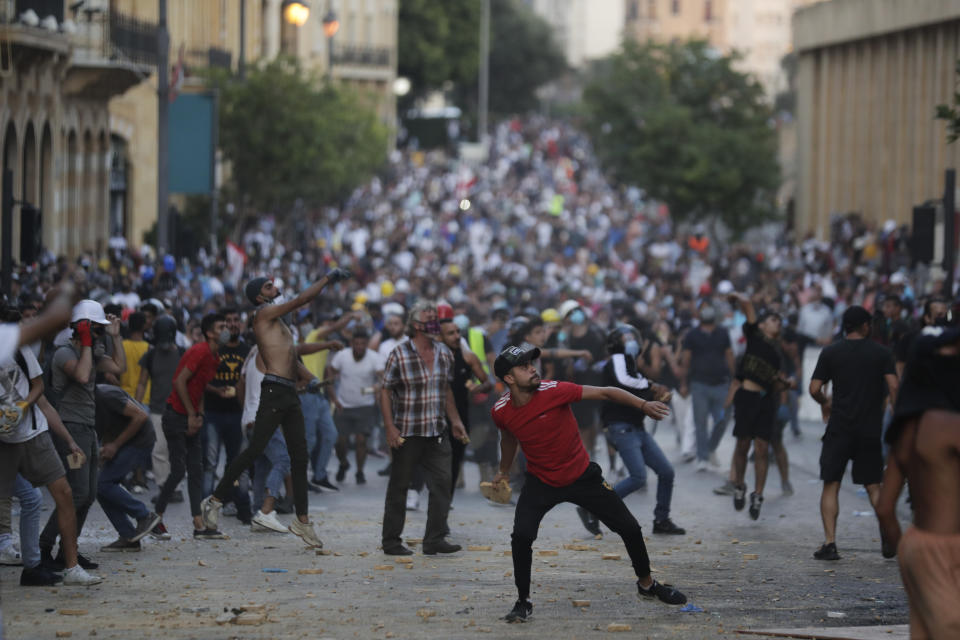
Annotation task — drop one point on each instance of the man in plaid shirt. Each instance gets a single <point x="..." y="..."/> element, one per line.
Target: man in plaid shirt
<point x="417" y="403"/>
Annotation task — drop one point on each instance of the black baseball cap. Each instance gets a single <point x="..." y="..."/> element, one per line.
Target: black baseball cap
<point x="513" y="356"/>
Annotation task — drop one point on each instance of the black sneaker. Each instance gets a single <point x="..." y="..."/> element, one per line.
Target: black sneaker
<point x="662" y="592"/>
<point x="326" y="484"/>
<point x="756" y="501"/>
<point x="48" y="562"/>
<point x="739" y="497"/>
<point x="827" y="552"/>
<point x="441" y="547"/>
<point x="383" y="473"/>
<point x="667" y="526"/>
<point x="208" y="534"/>
<point x="521" y="612"/>
<point x="39" y="577"/>
<point x="361" y="479"/>
<point x="398" y="551"/>
<point x="342" y="471"/>
<point x="284" y="506"/>
<point x="589" y="521"/>
<point x="85" y="563"/>
<point x="121" y="544"/>
<point x="144" y="526"/>
<point x="160" y="532"/>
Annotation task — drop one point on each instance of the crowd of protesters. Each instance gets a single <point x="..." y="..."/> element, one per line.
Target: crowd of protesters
<point x="159" y="374"/>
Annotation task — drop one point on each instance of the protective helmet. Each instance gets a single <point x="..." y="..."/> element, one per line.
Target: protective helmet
<point x="444" y="312"/>
<point x="164" y="330"/>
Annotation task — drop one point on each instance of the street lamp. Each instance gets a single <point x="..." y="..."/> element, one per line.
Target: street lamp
<point x="296" y="12"/>
<point x="330" y="27"/>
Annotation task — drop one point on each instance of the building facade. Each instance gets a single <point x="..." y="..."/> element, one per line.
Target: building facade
<point x="205" y="33"/>
<point x="60" y="69"/>
<point x="870" y="74"/>
<point x="758" y="29"/>
<point x="584" y="29"/>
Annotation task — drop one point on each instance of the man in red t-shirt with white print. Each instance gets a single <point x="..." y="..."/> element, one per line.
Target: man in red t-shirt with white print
<point x="183" y="419"/>
<point x="536" y="415"/>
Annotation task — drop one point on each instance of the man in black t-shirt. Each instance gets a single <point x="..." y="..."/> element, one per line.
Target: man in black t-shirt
<point x="755" y="402"/>
<point x="223" y="411"/>
<point x="127" y="436"/>
<point x="862" y="373"/>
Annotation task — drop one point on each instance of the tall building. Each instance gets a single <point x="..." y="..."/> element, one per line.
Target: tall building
<point x="78" y="93"/>
<point x="207" y="33"/>
<point x="59" y="69"/>
<point x="869" y="77"/>
<point x="758" y="29"/>
<point x="585" y="29"/>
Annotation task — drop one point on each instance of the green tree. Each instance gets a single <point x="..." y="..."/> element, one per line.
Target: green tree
<point x="679" y="121"/>
<point x="439" y="44"/>
<point x="951" y="113"/>
<point x="288" y="136"/>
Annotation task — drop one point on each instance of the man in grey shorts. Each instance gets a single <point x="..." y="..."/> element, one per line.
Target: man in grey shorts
<point x="26" y="448"/>
<point x="357" y="373"/>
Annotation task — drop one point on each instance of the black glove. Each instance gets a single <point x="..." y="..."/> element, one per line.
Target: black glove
<point x="338" y="275"/>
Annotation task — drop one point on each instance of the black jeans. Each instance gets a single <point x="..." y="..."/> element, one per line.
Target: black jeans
<point x="279" y="407"/>
<point x="433" y="454"/>
<point x="590" y="491"/>
<point x="186" y="457"/>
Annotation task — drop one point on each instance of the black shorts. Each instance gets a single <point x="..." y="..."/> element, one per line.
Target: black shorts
<point x="586" y="413"/>
<point x="839" y="448"/>
<point x="754" y="413"/>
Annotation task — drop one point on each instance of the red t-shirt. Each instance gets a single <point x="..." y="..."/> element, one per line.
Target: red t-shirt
<point x="547" y="432"/>
<point x="203" y="363"/>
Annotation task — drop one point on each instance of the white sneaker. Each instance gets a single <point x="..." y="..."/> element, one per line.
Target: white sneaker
<point x="714" y="462"/>
<point x="210" y="512"/>
<point x="703" y="465"/>
<point x="306" y="532"/>
<point x="76" y="576"/>
<point x="10" y="556"/>
<point x="229" y="510"/>
<point x="268" y="521"/>
<point x="413" y="500"/>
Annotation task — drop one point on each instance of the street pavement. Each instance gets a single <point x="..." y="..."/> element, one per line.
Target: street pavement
<point x="738" y="574"/>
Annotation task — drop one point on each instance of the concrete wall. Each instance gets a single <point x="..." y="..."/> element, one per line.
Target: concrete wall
<point x="870" y="74"/>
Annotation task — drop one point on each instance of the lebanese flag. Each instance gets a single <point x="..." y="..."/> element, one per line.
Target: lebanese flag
<point x="236" y="258"/>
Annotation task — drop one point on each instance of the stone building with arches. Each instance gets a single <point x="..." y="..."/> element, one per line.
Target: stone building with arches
<point x="57" y="75"/>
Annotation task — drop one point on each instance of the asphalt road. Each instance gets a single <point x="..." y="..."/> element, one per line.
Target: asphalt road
<point x="742" y="574"/>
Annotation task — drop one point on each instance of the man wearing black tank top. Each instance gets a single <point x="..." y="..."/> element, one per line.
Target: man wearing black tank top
<point x="467" y="370"/>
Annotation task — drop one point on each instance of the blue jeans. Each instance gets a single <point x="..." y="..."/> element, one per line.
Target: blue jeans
<point x="708" y="401"/>
<point x="116" y="502"/>
<point x="639" y="450"/>
<point x="223" y="428"/>
<point x="270" y="468"/>
<point x="30" y="502"/>
<point x="321" y="432"/>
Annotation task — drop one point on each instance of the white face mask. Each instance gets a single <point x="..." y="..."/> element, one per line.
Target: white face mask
<point x="280" y="299"/>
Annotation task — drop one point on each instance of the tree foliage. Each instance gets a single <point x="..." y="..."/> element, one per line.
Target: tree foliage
<point x="289" y="136"/>
<point x="439" y="44"/>
<point x="951" y="113"/>
<point x="679" y="121"/>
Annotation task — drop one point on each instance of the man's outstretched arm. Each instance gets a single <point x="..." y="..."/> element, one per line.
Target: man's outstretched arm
<point x="652" y="409"/>
<point x="274" y="311"/>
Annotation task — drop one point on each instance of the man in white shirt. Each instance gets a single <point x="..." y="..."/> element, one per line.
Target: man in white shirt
<point x="26" y="448"/>
<point x="357" y="373"/>
<point x="816" y="318"/>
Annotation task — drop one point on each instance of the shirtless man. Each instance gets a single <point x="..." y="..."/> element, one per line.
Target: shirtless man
<point x="279" y="404"/>
<point x="925" y="441"/>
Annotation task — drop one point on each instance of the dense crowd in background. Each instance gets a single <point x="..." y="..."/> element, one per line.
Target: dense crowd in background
<point x="534" y="245"/>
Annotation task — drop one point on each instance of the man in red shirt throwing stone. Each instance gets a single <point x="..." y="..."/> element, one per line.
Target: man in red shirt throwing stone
<point x="536" y="415"/>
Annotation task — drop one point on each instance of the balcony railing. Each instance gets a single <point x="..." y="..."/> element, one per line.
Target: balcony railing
<point x="210" y="58"/>
<point x="131" y="39"/>
<point x="361" y="56"/>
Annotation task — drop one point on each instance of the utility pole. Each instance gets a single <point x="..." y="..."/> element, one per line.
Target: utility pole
<point x="163" y="122"/>
<point x="949" y="215"/>
<point x="242" y="63"/>
<point x="484" y="88"/>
